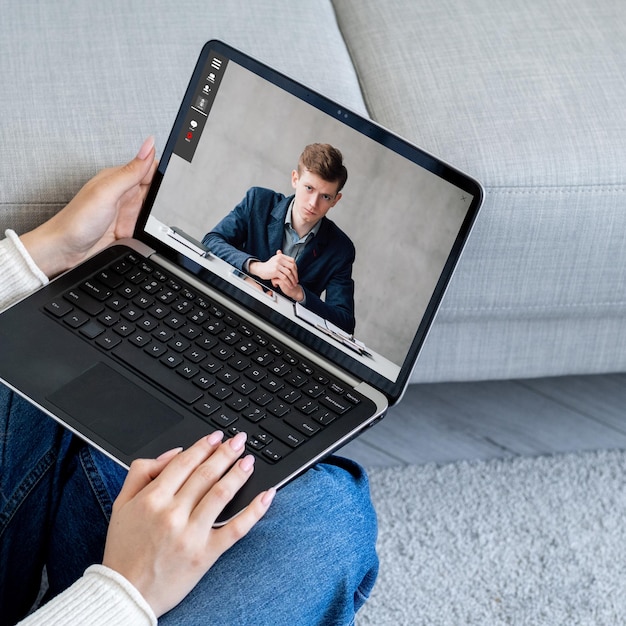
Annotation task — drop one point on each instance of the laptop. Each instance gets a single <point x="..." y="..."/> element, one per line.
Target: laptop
<point x="163" y="338"/>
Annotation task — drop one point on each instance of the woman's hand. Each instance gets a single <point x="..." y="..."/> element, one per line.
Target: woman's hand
<point x="104" y="210"/>
<point x="161" y="536"/>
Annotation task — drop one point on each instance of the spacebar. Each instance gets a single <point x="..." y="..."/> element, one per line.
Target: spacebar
<point x="163" y="377"/>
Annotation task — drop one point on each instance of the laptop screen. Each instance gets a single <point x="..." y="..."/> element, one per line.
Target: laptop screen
<point x="250" y="196"/>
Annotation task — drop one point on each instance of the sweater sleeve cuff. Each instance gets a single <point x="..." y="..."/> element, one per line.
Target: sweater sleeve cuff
<point x="30" y="264"/>
<point x="20" y="275"/>
<point x="102" y="597"/>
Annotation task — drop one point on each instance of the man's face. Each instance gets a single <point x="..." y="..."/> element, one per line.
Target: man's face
<point x="314" y="197"/>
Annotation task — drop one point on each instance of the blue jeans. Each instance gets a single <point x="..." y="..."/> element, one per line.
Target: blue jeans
<point x="311" y="560"/>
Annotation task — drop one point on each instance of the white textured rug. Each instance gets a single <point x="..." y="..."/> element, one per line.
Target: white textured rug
<point x="523" y="541"/>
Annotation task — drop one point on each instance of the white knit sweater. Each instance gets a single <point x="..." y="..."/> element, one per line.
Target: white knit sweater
<point x="102" y="597"/>
<point x="20" y="275"/>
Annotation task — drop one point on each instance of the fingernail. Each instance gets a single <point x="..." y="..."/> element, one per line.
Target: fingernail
<point x="170" y="453"/>
<point x="238" y="441"/>
<point x="146" y="148"/>
<point x="268" y="497"/>
<point x="214" y="438"/>
<point x="247" y="463"/>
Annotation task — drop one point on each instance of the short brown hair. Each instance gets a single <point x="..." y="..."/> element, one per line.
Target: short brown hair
<point x="325" y="161"/>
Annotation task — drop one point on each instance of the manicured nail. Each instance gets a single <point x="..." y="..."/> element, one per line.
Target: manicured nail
<point x="169" y="454"/>
<point x="268" y="497"/>
<point x="215" y="438"/>
<point x="247" y="463"/>
<point x="238" y="441"/>
<point x="146" y="148"/>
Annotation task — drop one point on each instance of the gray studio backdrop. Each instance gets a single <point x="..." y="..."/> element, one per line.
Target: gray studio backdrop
<point x="401" y="219"/>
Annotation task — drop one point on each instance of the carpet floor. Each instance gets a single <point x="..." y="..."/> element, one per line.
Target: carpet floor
<point x="522" y="541"/>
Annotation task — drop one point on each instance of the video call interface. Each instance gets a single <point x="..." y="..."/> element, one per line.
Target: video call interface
<point x="252" y="193"/>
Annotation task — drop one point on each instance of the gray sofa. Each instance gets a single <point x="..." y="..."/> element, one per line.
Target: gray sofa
<point x="526" y="96"/>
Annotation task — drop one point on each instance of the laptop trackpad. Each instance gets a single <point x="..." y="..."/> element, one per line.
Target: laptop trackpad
<point x="114" y="408"/>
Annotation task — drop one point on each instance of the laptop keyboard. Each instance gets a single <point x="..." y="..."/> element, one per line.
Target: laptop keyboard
<point x="231" y="374"/>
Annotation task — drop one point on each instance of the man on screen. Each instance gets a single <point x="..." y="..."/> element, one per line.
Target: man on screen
<point x="288" y="242"/>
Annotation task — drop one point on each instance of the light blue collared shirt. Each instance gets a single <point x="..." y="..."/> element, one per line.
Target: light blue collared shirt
<point x="293" y="244"/>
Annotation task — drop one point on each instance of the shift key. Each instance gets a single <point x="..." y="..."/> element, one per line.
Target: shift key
<point x="282" y="431"/>
<point x="84" y="302"/>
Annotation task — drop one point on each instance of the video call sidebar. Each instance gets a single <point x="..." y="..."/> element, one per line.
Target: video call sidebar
<point x="201" y="104"/>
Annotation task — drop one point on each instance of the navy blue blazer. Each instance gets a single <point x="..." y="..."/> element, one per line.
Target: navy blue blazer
<point x="255" y="228"/>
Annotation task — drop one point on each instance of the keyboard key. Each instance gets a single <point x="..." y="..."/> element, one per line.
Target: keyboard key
<point x="190" y="332"/>
<point x="265" y="358"/>
<point x="110" y="279"/>
<point x="108" y="319"/>
<point x="204" y="382"/>
<point x="272" y="385"/>
<point x="337" y="404"/>
<point x="59" y="308"/>
<point x="223" y="352"/>
<point x="140" y="339"/>
<point x="171" y="360"/>
<point x="91" y="330"/>
<point x="76" y="319"/>
<point x="307" y="406"/>
<point x="128" y="291"/>
<point x="116" y="303"/>
<point x="280" y="369"/>
<point x="124" y="329"/>
<point x="132" y="314"/>
<point x="178" y="345"/>
<point x="220" y="392"/>
<point x="148" y="324"/>
<point x="272" y="454"/>
<point x="211" y="365"/>
<point x="108" y="341"/>
<point x="351" y="397"/>
<point x="245" y="387"/>
<point x="224" y="419"/>
<point x="324" y="417"/>
<point x="214" y="327"/>
<point x="295" y="379"/>
<point x="239" y="363"/>
<point x="96" y="290"/>
<point x="315" y="390"/>
<point x="159" y="312"/>
<point x="254" y="414"/>
<point x="305" y="426"/>
<point x="163" y="334"/>
<point x="262" y="398"/>
<point x="187" y="371"/>
<point x="255" y="444"/>
<point x="155" y="349"/>
<point x="228" y="376"/>
<point x="278" y="408"/>
<point x="206" y="342"/>
<point x="194" y="355"/>
<point x="207" y="407"/>
<point x="237" y="403"/>
<point x="290" y="395"/>
<point x="143" y="302"/>
<point x="255" y="374"/>
<point x="84" y="302"/>
<point x="174" y="321"/>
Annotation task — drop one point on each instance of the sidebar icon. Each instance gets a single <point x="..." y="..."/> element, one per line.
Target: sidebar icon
<point x="201" y="102"/>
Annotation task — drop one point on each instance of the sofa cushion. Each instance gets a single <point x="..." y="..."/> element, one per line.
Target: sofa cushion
<point x="83" y="83"/>
<point x="528" y="97"/>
